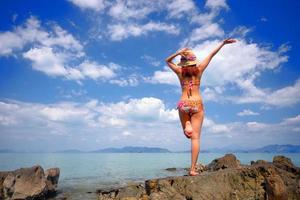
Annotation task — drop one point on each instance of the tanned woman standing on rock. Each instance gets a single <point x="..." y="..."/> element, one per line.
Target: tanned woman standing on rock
<point x="190" y="106"/>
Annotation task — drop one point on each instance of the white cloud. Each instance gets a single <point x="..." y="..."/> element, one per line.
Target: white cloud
<point x="216" y="4"/>
<point x="126" y="133"/>
<point x="213" y="93"/>
<point x="247" y="112"/>
<point x="283" y="97"/>
<point x="124" y="10"/>
<point x="118" y="32"/>
<point x="45" y="60"/>
<point x="240" y="31"/>
<point x="131" y="80"/>
<point x="129" y="9"/>
<point x="70" y="116"/>
<point x="292" y="121"/>
<point x="177" y="8"/>
<point x="63" y="112"/>
<point x="237" y="60"/>
<point x="151" y="60"/>
<point x="63" y="39"/>
<point x="256" y="126"/>
<point x="129" y="18"/>
<point x="263" y="19"/>
<point x="286" y="96"/>
<point x="52" y="52"/>
<point x="9" y="42"/>
<point x="96" y="71"/>
<point x="32" y="33"/>
<point x="215" y="128"/>
<point x="7" y="121"/>
<point x="163" y="77"/>
<point x="139" y="110"/>
<point x="203" y="18"/>
<point x="208" y="28"/>
<point x="55" y="64"/>
<point x="96" y="5"/>
<point x="206" y="31"/>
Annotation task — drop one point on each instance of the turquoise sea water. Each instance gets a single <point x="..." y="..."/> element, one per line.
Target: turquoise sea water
<point x="91" y="171"/>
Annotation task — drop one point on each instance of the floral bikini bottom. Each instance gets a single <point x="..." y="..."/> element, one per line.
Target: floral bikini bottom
<point x="190" y="106"/>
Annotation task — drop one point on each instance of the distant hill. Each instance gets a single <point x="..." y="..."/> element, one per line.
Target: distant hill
<point x="70" y="151"/>
<point x="131" y="149"/>
<point x="7" y="151"/>
<point x="276" y="148"/>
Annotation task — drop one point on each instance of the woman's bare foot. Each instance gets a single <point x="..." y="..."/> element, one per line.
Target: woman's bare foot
<point x="188" y="131"/>
<point x="193" y="173"/>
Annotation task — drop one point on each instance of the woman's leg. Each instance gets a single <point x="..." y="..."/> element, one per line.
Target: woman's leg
<point x="197" y="120"/>
<point x="185" y="120"/>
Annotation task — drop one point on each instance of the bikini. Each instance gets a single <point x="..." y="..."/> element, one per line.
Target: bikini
<point x="190" y="106"/>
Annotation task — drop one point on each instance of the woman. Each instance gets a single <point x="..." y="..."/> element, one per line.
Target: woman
<point x="190" y="106"/>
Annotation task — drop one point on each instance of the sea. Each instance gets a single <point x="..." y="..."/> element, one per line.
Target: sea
<point x="81" y="174"/>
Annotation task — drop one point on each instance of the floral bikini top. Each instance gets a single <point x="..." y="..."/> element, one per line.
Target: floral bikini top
<point x="189" y="84"/>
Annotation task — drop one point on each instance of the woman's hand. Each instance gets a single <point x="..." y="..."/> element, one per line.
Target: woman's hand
<point x="229" y="41"/>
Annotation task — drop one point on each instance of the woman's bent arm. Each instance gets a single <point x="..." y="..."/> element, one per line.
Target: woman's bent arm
<point x="170" y="63"/>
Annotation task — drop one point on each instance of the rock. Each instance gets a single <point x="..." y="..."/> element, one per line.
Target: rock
<point x="223" y="184"/>
<point x="3" y="175"/>
<point x="228" y="161"/>
<point x="260" y="181"/>
<point x="28" y="183"/>
<point x="171" y="169"/>
<point x="201" y="167"/>
<point x="258" y="162"/>
<point x="134" y="191"/>
<point x="275" y="188"/>
<point x="25" y="183"/>
<point x="52" y="176"/>
<point x="285" y="163"/>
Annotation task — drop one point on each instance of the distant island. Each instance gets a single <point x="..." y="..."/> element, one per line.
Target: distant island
<point x="131" y="149"/>
<point x="275" y="148"/>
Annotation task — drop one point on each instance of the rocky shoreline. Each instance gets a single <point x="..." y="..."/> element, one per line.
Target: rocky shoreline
<point x="224" y="178"/>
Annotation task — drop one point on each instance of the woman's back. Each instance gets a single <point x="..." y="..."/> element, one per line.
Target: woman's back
<point x="190" y="78"/>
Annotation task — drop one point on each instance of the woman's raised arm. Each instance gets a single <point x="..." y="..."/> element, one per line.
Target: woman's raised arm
<point x="206" y="61"/>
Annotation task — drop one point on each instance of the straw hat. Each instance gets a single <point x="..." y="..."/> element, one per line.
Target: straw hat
<point x="188" y="58"/>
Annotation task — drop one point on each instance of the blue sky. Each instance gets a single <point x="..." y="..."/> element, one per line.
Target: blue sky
<point x="90" y="74"/>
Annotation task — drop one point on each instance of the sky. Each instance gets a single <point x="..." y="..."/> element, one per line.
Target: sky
<point x="91" y="74"/>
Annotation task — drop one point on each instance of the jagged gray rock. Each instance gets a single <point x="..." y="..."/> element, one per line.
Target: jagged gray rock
<point x="225" y="179"/>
